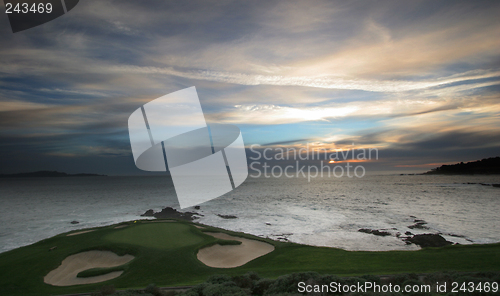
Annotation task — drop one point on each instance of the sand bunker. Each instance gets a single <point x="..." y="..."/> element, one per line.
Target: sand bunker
<point x="200" y="227"/>
<point x="65" y="274"/>
<point x="80" y="232"/>
<point x="228" y="256"/>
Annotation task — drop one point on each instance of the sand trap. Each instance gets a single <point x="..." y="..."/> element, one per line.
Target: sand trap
<point x="200" y="227"/>
<point x="65" y="274"/>
<point x="229" y="256"/>
<point x="120" y="226"/>
<point x="80" y="232"/>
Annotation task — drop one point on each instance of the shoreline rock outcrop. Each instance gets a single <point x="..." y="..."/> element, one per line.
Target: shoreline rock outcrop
<point x="171" y="213"/>
<point x="428" y="240"/>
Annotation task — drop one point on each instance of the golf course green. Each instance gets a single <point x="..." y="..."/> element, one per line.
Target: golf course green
<point x="165" y="253"/>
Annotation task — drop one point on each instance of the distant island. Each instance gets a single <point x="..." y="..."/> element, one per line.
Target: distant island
<point x="484" y="166"/>
<point x="47" y="174"/>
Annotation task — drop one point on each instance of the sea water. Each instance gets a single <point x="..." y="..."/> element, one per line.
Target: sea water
<point x="320" y="211"/>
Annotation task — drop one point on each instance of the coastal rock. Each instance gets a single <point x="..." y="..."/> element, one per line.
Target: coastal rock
<point x="282" y="236"/>
<point x="148" y="213"/>
<point x="74" y="222"/>
<point x="428" y="240"/>
<point x="171" y="213"/>
<point x="380" y="233"/>
<point x="375" y="232"/>
<point x="420" y="224"/>
<point x="227" y="216"/>
<point x="196" y="207"/>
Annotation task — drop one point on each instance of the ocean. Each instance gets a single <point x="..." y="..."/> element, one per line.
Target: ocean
<point x="322" y="212"/>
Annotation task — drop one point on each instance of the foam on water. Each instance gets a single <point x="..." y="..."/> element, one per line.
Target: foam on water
<point x="323" y="212"/>
<point x="329" y="211"/>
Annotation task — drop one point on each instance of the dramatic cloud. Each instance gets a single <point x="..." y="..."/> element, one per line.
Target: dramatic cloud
<point x="405" y="77"/>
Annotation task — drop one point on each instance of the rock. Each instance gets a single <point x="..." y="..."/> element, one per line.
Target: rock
<point x="227" y="216"/>
<point x="375" y="232"/>
<point x="419" y="225"/>
<point x="267" y="223"/>
<point x="408" y="233"/>
<point x="149" y="213"/>
<point x="196" y="207"/>
<point x="428" y="240"/>
<point x="380" y="233"/>
<point x="171" y="213"/>
<point x="74" y="222"/>
<point x="365" y="230"/>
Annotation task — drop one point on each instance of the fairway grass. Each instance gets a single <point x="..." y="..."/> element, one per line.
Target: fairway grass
<point x="165" y="254"/>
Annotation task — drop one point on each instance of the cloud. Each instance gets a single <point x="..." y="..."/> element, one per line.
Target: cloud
<point x="335" y="72"/>
<point x="272" y="114"/>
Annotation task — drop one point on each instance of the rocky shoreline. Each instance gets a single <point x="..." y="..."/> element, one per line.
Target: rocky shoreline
<point x="424" y="240"/>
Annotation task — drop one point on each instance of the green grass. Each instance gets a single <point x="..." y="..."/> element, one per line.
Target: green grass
<point x="166" y="255"/>
<point x="156" y="236"/>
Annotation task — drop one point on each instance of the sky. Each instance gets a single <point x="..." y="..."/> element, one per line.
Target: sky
<point x="417" y="80"/>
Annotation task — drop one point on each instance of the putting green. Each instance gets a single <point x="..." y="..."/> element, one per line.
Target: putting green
<point x="156" y="235"/>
